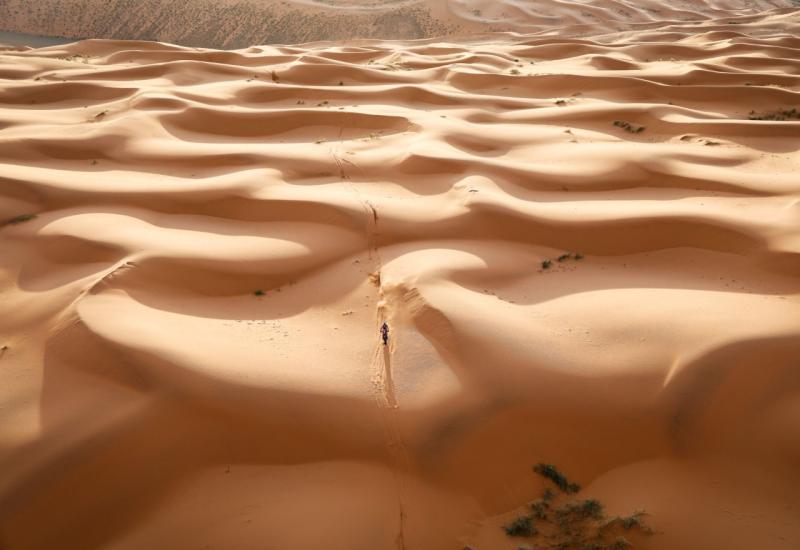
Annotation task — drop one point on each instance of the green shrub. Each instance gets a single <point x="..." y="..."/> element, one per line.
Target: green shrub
<point x="540" y="508"/>
<point x="521" y="527"/>
<point x="20" y="219"/>
<point x="549" y="471"/>
<point x="585" y="509"/>
<point x="628" y="127"/>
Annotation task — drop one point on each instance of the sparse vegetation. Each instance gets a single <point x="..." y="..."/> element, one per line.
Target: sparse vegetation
<point x="580" y="510"/>
<point x="548" y="263"/>
<point x="628" y="523"/>
<point x="577" y="524"/>
<point x="520" y="527"/>
<point x="549" y="471"/>
<point x="20" y="219"/>
<point x="628" y="127"/>
<point x="259" y="292"/>
<point x="540" y="508"/>
<point x="780" y="115"/>
<point x="78" y="57"/>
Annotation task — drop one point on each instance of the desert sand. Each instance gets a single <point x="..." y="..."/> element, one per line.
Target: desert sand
<point x="586" y="251"/>
<point x="241" y="23"/>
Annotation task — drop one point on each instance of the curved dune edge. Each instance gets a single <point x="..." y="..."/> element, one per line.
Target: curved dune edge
<point x="199" y="248"/>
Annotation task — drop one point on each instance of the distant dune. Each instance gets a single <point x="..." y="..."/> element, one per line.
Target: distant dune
<point x="586" y="252"/>
<point x="241" y="23"/>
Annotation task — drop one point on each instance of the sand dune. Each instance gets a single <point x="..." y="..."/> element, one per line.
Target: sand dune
<point x="200" y="246"/>
<point x="240" y="23"/>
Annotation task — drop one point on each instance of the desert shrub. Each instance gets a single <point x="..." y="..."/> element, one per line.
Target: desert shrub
<point x="580" y="510"/>
<point x="628" y="127"/>
<point x="540" y="508"/>
<point x="521" y="527"/>
<point x="780" y="114"/>
<point x="549" y="471"/>
<point x="20" y="219"/>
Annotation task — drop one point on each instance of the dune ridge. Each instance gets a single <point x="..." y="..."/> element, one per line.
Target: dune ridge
<point x="200" y="247"/>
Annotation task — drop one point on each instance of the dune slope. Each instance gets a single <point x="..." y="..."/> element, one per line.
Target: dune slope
<point x="586" y="250"/>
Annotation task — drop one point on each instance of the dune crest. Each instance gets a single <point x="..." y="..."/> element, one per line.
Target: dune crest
<point x="586" y="251"/>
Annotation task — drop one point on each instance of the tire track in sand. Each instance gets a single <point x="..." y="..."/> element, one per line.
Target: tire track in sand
<point x="381" y="364"/>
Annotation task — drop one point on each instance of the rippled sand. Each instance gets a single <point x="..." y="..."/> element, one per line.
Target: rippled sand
<point x="190" y="323"/>
<point x="240" y="23"/>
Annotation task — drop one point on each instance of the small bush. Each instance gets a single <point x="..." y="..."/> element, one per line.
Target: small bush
<point x="20" y="219"/>
<point x="581" y="510"/>
<point x="260" y="292"/>
<point x="521" y="527"/>
<point x="630" y="523"/>
<point x="540" y="508"/>
<point x="628" y="127"/>
<point x="546" y="264"/>
<point x="780" y="114"/>
<point x="548" y="471"/>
